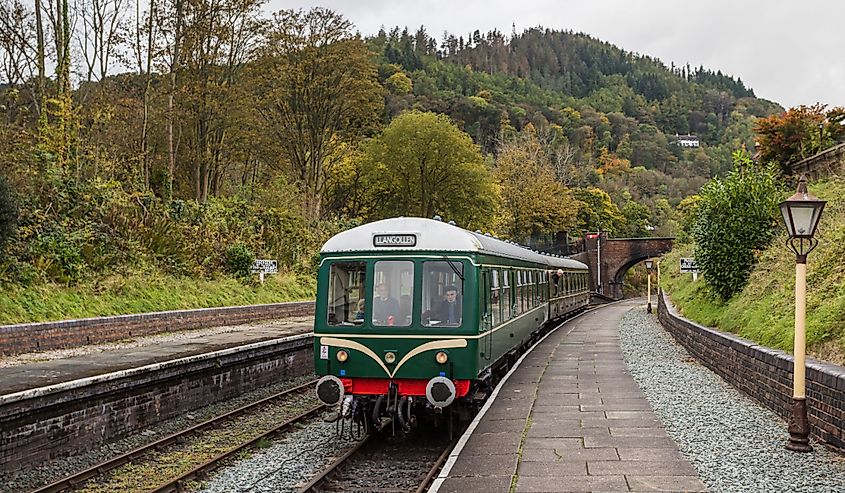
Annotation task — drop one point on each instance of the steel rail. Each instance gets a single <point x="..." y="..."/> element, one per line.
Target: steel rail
<point x="312" y="486"/>
<point x="106" y="466"/>
<point x="177" y="484"/>
<point x="316" y="480"/>
<point x="436" y="467"/>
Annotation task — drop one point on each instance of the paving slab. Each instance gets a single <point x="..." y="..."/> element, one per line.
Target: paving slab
<point x="490" y="484"/>
<point x="573" y="419"/>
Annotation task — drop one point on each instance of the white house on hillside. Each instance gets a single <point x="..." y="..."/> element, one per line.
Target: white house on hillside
<point x="687" y="140"/>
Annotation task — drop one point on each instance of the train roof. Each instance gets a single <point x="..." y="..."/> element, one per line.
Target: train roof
<point x="420" y="234"/>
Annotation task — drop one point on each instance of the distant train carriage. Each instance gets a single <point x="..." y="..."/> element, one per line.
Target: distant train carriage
<point x="416" y="312"/>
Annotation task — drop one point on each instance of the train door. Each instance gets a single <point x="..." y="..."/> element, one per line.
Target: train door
<point x="487" y="320"/>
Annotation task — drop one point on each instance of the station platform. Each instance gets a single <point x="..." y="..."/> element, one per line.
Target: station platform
<point x="571" y="418"/>
<point x="33" y="370"/>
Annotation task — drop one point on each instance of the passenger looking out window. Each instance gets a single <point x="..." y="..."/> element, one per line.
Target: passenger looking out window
<point x="359" y="315"/>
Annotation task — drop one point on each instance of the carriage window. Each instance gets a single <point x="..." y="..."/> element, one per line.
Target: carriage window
<point x="526" y="291"/>
<point x="494" y="298"/>
<point x="543" y="285"/>
<point x="506" y="295"/>
<point x="346" y="293"/>
<point x="393" y="293"/>
<point x="532" y="297"/>
<point x="442" y="293"/>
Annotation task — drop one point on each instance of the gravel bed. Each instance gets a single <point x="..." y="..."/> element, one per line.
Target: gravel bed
<point x="50" y="471"/>
<point x="286" y="465"/>
<point x="185" y="335"/>
<point x="735" y="444"/>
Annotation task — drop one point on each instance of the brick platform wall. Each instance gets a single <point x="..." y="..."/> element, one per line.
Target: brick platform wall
<point x="23" y="338"/>
<point x="65" y="419"/>
<point x="763" y="373"/>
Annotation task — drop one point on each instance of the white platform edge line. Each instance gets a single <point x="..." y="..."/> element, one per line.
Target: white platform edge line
<point x="456" y="452"/>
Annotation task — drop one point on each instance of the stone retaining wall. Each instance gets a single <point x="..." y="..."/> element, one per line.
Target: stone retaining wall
<point x="24" y="338"/>
<point x="830" y="161"/>
<point x="763" y="373"/>
<point x="74" y="417"/>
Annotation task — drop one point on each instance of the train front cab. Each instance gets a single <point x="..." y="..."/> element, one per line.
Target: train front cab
<point x="381" y="330"/>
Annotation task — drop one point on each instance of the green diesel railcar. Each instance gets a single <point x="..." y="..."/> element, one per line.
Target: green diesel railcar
<point x="416" y="312"/>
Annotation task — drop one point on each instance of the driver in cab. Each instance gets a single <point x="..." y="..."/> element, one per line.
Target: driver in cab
<point x="448" y="312"/>
<point x="385" y="308"/>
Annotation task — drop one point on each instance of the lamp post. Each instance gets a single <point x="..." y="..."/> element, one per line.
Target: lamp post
<point x="801" y="213"/>
<point x="821" y="136"/>
<point x="649" y="265"/>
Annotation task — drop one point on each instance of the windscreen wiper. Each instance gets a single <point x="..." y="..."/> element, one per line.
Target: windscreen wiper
<point x="454" y="269"/>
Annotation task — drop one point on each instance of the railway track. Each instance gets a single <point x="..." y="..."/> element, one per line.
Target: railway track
<point x="157" y="452"/>
<point x="385" y="465"/>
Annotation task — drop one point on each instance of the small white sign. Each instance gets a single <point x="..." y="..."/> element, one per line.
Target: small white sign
<point x="324" y="352"/>
<point x="265" y="266"/>
<point x="688" y="266"/>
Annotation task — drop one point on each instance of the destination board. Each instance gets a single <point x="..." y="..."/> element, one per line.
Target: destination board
<point x="394" y="240"/>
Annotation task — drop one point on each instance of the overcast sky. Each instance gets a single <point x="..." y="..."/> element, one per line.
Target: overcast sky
<point x="789" y="51"/>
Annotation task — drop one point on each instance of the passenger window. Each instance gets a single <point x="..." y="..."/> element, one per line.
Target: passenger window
<point x="442" y="293"/>
<point x="523" y="291"/>
<point x="393" y="293"/>
<point x="506" y="295"/>
<point x="543" y="286"/>
<point x="494" y="299"/>
<point x="346" y="293"/>
<point x="532" y="297"/>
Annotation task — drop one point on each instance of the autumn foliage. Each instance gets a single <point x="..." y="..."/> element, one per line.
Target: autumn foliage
<point x="799" y="133"/>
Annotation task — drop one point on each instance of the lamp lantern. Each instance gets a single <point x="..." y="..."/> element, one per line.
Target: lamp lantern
<point x="801" y="214"/>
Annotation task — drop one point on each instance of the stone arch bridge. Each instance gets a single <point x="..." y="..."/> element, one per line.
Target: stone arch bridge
<point x="610" y="258"/>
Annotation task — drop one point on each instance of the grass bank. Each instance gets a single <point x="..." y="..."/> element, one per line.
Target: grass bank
<point x="764" y="311"/>
<point x="123" y="295"/>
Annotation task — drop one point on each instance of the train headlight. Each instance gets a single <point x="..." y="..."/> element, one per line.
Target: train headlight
<point x="441" y="357"/>
<point x="390" y="357"/>
<point x="342" y="356"/>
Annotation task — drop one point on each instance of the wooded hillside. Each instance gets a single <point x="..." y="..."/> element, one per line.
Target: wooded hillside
<point x="188" y="138"/>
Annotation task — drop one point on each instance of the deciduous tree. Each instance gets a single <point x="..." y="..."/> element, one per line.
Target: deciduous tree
<point x="423" y="165"/>
<point x="319" y="90"/>
<point x="799" y="133"/>
<point x="533" y="201"/>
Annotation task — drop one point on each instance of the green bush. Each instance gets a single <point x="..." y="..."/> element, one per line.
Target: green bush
<point x="736" y="218"/>
<point x="239" y="260"/>
<point x="8" y="213"/>
<point x="58" y="255"/>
